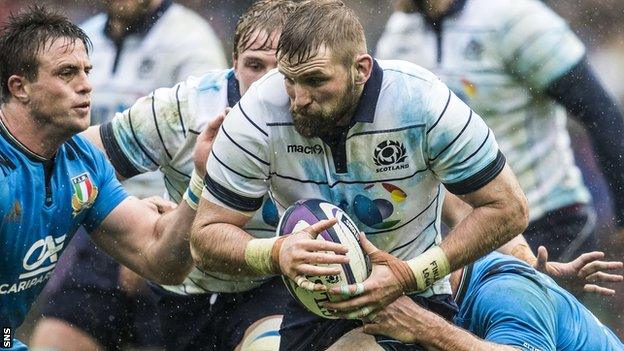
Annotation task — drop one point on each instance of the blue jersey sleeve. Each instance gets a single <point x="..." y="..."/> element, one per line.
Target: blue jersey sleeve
<point x="110" y="192"/>
<point x="513" y="311"/>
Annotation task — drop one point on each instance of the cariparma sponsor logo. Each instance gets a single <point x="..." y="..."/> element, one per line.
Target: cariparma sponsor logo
<point x="390" y="155"/>
<point x="38" y="263"/>
<point x="85" y="193"/>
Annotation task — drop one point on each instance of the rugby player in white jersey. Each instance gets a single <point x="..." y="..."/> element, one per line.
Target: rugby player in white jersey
<point x="138" y="46"/>
<point x="381" y="139"/>
<point x="210" y="310"/>
<point x="521" y="68"/>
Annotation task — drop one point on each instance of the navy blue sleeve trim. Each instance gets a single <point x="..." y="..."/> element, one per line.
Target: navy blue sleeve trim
<point x="479" y="179"/>
<point x="230" y="198"/>
<point x="582" y="94"/>
<point x="116" y="156"/>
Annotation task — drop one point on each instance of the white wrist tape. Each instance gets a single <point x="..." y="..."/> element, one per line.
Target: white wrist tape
<point x="194" y="190"/>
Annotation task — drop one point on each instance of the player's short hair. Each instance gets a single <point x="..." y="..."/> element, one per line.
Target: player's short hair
<point x="264" y="16"/>
<point x="25" y="35"/>
<point x="317" y="23"/>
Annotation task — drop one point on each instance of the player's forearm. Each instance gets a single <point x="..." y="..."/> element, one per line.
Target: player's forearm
<point x="169" y="256"/>
<point x="220" y="247"/>
<point x="520" y="249"/>
<point x="486" y="228"/>
<point x="440" y="335"/>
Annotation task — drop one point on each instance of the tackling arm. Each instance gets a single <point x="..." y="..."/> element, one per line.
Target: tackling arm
<point x="153" y="245"/>
<point x="405" y="321"/>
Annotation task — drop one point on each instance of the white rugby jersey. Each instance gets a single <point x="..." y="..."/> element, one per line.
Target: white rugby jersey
<point x="159" y="132"/>
<point x="499" y="56"/>
<point x="409" y="135"/>
<point x="174" y="44"/>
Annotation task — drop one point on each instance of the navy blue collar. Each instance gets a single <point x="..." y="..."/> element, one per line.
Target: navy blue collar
<point x="142" y="24"/>
<point x="365" y="111"/>
<point x="464" y="284"/>
<point x="4" y="132"/>
<point x="233" y="89"/>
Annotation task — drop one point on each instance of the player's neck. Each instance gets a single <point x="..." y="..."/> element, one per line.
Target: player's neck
<point x="39" y="138"/>
<point x="439" y="8"/>
<point x="119" y="26"/>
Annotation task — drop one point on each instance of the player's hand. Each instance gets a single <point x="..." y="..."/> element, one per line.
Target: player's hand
<point x="159" y="204"/>
<point x="203" y="145"/>
<point x="401" y="320"/>
<point x="585" y="269"/>
<point x="380" y="289"/>
<point x="301" y="252"/>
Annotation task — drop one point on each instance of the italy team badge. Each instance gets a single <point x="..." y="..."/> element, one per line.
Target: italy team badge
<point x="85" y="193"/>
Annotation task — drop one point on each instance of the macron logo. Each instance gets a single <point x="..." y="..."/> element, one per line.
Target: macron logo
<point x="314" y="149"/>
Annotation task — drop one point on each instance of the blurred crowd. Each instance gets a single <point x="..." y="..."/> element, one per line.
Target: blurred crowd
<point x="599" y="23"/>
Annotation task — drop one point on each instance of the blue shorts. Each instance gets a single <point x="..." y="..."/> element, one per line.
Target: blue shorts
<point x="304" y="331"/>
<point x="216" y="321"/>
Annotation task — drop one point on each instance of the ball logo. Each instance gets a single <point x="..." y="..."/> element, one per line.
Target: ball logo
<point x="389" y="155"/>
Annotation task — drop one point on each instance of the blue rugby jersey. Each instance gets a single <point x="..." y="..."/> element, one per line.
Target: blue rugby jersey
<point x="409" y="139"/>
<point x="504" y="300"/>
<point x="37" y="221"/>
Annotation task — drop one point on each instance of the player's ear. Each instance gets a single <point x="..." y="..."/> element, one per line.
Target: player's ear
<point x="363" y="67"/>
<point x="235" y="63"/>
<point x="19" y="88"/>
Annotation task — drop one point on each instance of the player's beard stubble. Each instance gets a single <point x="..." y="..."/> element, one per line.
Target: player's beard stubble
<point x="326" y="120"/>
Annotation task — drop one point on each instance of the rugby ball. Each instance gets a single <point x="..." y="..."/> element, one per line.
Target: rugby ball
<point x="304" y="213"/>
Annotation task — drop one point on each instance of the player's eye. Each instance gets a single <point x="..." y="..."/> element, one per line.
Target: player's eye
<point x="289" y="80"/>
<point x="66" y="73"/>
<point x="314" y="81"/>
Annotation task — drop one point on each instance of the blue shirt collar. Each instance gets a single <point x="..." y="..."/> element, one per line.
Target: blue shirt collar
<point x="233" y="89"/>
<point x="365" y="111"/>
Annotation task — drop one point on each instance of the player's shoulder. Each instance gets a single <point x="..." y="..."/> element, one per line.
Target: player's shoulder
<point x="213" y="80"/>
<point x="185" y="26"/>
<point x="267" y="100"/>
<point x="400" y="22"/>
<point x="505" y="13"/>
<point x="81" y="148"/>
<point x="94" y="26"/>
<point x="408" y="81"/>
<point x="408" y="71"/>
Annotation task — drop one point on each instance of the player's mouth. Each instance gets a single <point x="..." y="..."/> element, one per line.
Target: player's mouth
<point x="83" y="107"/>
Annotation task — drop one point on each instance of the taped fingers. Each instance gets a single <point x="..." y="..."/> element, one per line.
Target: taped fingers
<point x="308" y="285"/>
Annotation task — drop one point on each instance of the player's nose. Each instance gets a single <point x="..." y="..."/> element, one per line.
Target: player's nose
<point x="84" y="84"/>
<point x="302" y="97"/>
